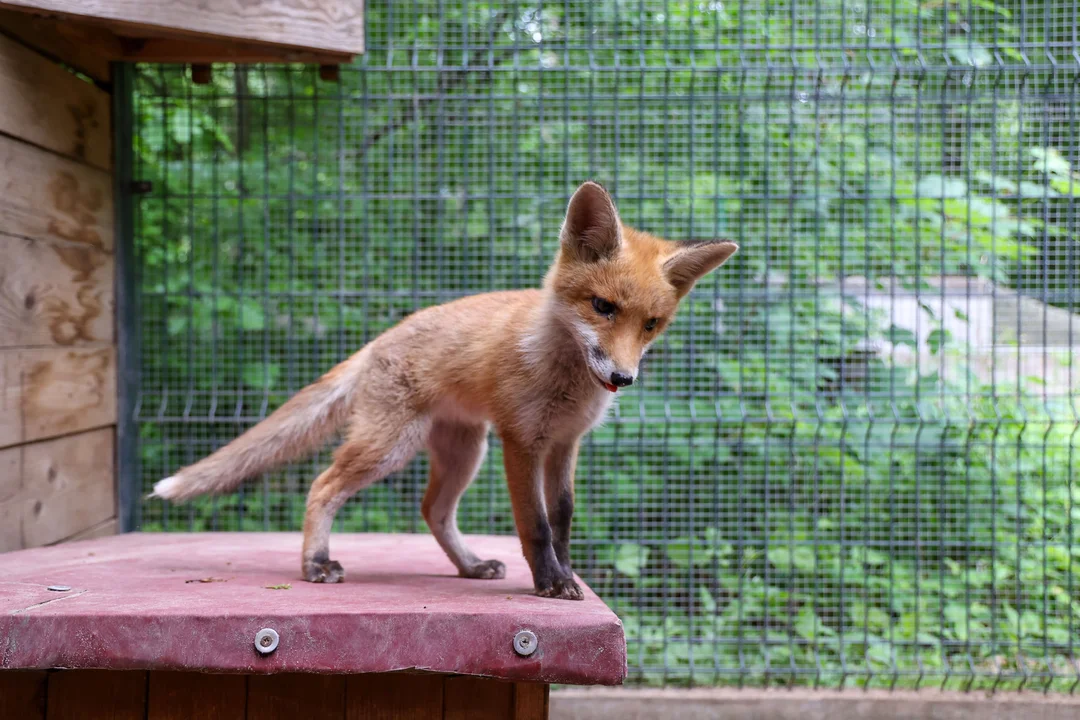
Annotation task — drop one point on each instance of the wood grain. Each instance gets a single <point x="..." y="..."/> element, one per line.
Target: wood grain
<point x="81" y="694"/>
<point x="22" y="693"/>
<point x="54" y="293"/>
<point x="530" y="701"/>
<point x="10" y="504"/>
<point x="332" y="25"/>
<point x="11" y="428"/>
<point x="395" y="696"/>
<point x="48" y="106"/>
<point x="189" y="695"/>
<point x="47" y="197"/>
<point x="67" y="486"/>
<point x="283" y="697"/>
<point x="66" y="390"/>
<point x="84" y="48"/>
<point x="474" y="698"/>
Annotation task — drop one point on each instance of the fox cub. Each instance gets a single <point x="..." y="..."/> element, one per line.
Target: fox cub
<point x="540" y="365"/>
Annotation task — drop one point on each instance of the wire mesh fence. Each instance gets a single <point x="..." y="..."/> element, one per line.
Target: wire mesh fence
<point x="851" y="459"/>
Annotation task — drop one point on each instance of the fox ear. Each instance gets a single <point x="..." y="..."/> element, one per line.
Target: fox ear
<point x="694" y="260"/>
<point x="591" y="231"/>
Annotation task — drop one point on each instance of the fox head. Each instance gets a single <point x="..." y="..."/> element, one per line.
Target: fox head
<point x="617" y="288"/>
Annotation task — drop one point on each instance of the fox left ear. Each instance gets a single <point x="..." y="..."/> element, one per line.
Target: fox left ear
<point x="694" y="260"/>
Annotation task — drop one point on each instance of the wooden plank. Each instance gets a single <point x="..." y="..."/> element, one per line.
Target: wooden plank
<point x="103" y="529"/>
<point x="67" y="486"/>
<point x="186" y="695"/>
<point x="46" y="105"/>
<point x="531" y="701"/>
<point x="54" y="293"/>
<point x="84" y="48"/>
<point x="46" y="197"/>
<point x="394" y="696"/>
<point x="329" y="25"/>
<point x="82" y="694"/>
<point x="67" y="390"/>
<point x="11" y="431"/>
<point x="474" y="698"/>
<point x="10" y="503"/>
<point x="22" y="693"/>
<point x="288" y="696"/>
<point x="194" y="50"/>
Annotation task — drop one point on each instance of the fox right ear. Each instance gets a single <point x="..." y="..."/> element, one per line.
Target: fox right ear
<point x="591" y="231"/>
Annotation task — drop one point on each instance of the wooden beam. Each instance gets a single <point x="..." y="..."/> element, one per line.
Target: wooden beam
<point x="332" y="26"/>
<point x="52" y="108"/>
<point x="47" y="197"/>
<point x="194" y="50"/>
<point x="81" y="47"/>
<point x="54" y="294"/>
<point x="67" y="486"/>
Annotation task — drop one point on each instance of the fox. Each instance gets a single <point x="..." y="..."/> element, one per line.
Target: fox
<point x="541" y="365"/>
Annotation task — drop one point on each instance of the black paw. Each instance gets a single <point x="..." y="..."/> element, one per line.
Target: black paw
<point x="324" y="572"/>
<point x="486" y="570"/>
<point x="562" y="590"/>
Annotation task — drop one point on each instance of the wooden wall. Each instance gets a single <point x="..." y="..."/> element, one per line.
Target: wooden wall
<point x="57" y="326"/>
<point x="90" y="694"/>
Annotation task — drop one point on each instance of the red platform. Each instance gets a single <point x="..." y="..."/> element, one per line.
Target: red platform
<point x="196" y="602"/>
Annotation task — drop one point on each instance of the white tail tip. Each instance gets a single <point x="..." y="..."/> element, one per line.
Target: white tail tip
<point x="168" y="488"/>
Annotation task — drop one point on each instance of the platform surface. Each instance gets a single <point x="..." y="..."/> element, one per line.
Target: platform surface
<point x="196" y="602"/>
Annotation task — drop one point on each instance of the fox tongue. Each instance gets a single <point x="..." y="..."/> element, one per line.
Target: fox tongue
<point x="611" y="387"/>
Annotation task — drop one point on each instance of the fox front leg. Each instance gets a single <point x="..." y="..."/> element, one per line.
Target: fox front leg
<point x="559" y="496"/>
<point x="525" y="478"/>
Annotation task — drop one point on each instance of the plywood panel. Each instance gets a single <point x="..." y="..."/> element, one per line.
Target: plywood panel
<point x="10" y="502"/>
<point x="334" y="25"/>
<point x="54" y="293"/>
<point x="47" y="197"/>
<point x="67" y="486"/>
<point x="22" y="694"/>
<point x="80" y="694"/>
<point x="66" y="390"/>
<point x="48" y="106"/>
<point x="395" y="697"/>
<point x="288" y="696"/>
<point x="187" y="695"/>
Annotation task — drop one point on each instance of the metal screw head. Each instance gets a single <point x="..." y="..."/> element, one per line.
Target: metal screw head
<point x="266" y="641"/>
<point x="59" y="588"/>
<point x="525" y="643"/>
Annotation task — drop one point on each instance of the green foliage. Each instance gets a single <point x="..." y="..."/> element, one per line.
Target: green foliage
<point x="754" y="511"/>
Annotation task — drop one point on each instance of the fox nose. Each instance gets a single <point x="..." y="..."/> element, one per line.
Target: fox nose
<point x="619" y="379"/>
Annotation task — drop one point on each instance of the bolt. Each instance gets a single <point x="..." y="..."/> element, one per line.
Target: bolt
<point x="266" y="641"/>
<point x="59" y="588"/>
<point x="525" y="643"/>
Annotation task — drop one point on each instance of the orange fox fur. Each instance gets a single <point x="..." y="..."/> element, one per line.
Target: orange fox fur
<point x="540" y="365"/>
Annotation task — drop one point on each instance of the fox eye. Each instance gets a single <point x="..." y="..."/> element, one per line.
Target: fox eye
<point x="650" y="324"/>
<point x="602" y="306"/>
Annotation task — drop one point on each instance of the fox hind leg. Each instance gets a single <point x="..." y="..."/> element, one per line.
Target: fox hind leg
<point x="374" y="448"/>
<point x="456" y="451"/>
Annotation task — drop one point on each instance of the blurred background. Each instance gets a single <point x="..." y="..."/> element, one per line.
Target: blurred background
<point x="851" y="460"/>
